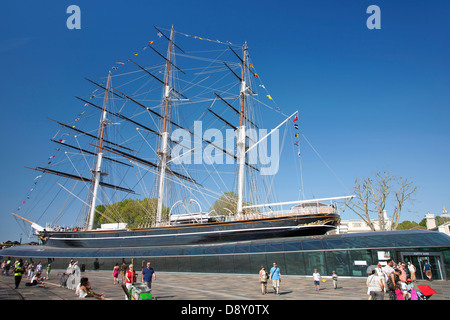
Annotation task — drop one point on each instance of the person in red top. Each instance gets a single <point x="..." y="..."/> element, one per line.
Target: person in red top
<point x="130" y="278"/>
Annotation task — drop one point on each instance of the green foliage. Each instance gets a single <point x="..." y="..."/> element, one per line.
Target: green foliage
<point x="406" y="225"/>
<point x="226" y="205"/>
<point x="134" y="212"/>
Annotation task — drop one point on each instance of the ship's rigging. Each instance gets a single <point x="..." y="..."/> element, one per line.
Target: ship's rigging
<point x="141" y="106"/>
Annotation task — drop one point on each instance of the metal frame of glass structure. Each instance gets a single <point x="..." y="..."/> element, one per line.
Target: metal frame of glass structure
<point x="347" y="254"/>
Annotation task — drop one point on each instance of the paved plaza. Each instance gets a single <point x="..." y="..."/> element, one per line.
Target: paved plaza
<point x="198" y="286"/>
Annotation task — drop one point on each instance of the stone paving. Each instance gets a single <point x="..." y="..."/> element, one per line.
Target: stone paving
<point x="198" y="286"/>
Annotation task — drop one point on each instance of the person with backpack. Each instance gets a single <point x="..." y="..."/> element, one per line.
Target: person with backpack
<point x="263" y="276"/>
<point x="427" y="270"/>
<point x="390" y="279"/>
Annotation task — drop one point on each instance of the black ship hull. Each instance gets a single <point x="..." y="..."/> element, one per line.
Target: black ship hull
<point x="201" y="233"/>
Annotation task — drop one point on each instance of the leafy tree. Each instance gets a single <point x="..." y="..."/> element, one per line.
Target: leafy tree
<point x="406" y="225"/>
<point x="135" y="213"/>
<point x="226" y="205"/>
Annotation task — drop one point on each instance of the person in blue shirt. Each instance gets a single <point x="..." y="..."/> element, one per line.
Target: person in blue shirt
<point x="148" y="274"/>
<point x="427" y="270"/>
<point x="275" y="276"/>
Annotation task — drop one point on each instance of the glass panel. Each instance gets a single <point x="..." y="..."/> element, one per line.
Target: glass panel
<point x="295" y="263"/>
<point x="172" y="264"/>
<point x="197" y="264"/>
<point x="336" y="243"/>
<point x="159" y="263"/>
<point x="226" y="249"/>
<point x="337" y="261"/>
<point x="258" y="260"/>
<point x="279" y="259"/>
<point x="359" y="260"/>
<point x="257" y="248"/>
<point x="242" y="248"/>
<point x="312" y="244"/>
<point x="192" y="251"/>
<point x="293" y="246"/>
<point x="171" y="251"/>
<point x="314" y="260"/>
<point x="355" y="242"/>
<point x="446" y="257"/>
<point x="184" y="264"/>
<point x="156" y="252"/>
<point x="378" y="241"/>
<point x="211" y="263"/>
<point x="226" y="264"/>
<point x="242" y="264"/>
<point x="211" y="250"/>
<point x="274" y="247"/>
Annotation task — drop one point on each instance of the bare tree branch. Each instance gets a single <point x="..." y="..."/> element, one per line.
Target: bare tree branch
<point x="373" y="195"/>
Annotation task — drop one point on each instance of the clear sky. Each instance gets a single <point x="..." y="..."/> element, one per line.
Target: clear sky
<point x="369" y="100"/>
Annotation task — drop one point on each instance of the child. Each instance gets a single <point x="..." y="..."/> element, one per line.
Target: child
<point x="335" y="279"/>
<point x="317" y="277"/>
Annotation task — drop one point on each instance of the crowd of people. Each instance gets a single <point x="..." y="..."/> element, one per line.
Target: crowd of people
<point x="394" y="279"/>
<point x="34" y="273"/>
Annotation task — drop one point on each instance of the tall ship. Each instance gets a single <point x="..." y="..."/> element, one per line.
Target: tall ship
<point x="171" y="148"/>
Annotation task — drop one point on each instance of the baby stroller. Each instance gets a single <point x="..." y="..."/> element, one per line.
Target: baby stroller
<point x="138" y="292"/>
<point x="425" y="292"/>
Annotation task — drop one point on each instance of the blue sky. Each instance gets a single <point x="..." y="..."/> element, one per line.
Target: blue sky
<point x="370" y="100"/>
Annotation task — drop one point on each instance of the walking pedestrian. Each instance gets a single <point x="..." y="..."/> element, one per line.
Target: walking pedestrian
<point x="39" y="267"/>
<point x="7" y="266"/>
<point x="18" y="272"/>
<point x="263" y="279"/>
<point x="123" y="268"/>
<point x="30" y="270"/>
<point x="316" y="277"/>
<point x="427" y="270"/>
<point x="49" y="268"/>
<point x="148" y="274"/>
<point x="389" y="277"/>
<point x="116" y="273"/>
<point x="130" y="278"/>
<point x="375" y="286"/>
<point x="275" y="277"/>
<point x="412" y="271"/>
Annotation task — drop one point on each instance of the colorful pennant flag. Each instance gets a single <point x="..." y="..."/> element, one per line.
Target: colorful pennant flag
<point x="296" y="118"/>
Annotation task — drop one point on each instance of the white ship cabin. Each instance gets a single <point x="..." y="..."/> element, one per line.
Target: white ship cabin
<point x="201" y="217"/>
<point x="314" y="208"/>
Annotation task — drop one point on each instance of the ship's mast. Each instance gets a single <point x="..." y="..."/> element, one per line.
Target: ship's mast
<point x="241" y="137"/>
<point x="164" y="150"/>
<point x="97" y="172"/>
